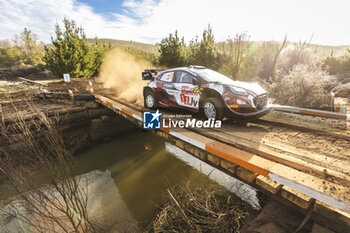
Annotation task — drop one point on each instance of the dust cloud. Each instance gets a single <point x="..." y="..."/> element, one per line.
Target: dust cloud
<point x="121" y="72"/>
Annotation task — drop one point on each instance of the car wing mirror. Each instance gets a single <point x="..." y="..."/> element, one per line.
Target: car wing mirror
<point x="147" y="75"/>
<point x="195" y="82"/>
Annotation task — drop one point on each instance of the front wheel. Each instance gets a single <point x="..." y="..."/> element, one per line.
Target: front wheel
<point x="213" y="109"/>
<point x="150" y="100"/>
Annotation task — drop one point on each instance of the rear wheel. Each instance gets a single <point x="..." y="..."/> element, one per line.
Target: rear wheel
<point x="213" y="109"/>
<point x="150" y="100"/>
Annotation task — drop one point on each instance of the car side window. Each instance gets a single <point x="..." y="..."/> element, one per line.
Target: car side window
<point x="184" y="77"/>
<point x="167" y="77"/>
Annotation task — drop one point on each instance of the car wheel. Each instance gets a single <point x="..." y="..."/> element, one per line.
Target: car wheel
<point x="213" y="109"/>
<point x="150" y="100"/>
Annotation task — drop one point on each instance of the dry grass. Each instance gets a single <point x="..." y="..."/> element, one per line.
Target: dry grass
<point x="201" y="209"/>
<point x="49" y="198"/>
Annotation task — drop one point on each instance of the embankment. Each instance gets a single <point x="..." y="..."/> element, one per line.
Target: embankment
<point x="83" y="122"/>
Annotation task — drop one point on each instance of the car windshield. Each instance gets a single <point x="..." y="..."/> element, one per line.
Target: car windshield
<point x="213" y="76"/>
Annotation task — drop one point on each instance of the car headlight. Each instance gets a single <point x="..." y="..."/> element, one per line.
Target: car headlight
<point x="238" y="91"/>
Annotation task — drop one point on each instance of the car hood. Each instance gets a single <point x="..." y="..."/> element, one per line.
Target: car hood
<point x="254" y="87"/>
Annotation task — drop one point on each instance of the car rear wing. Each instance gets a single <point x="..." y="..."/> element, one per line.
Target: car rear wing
<point x="149" y="74"/>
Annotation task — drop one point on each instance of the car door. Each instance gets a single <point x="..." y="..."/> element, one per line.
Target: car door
<point x="187" y="94"/>
<point x="165" y="86"/>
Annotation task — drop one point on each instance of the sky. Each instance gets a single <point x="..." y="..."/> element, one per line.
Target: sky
<point x="325" y="21"/>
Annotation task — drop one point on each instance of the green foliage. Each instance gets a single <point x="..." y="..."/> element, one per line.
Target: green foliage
<point x="132" y="45"/>
<point x="9" y="56"/>
<point x="345" y="67"/>
<point x="24" y="51"/>
<point x="72" y="53"/>
<point x="140" y="54"/>
<point x="204" y="53"/>
<point x="147" y="52"/>
<point x="172" y="51"/>
<point x="339" y="66"/>
<point x="235" y="56"/>
<point x="332" y="65"/>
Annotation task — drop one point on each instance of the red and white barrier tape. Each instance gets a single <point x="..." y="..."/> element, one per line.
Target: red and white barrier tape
<point x="312" y="112"/>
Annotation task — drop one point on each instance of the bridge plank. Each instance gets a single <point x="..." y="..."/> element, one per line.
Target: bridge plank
<point x="296" y="197"/>
<point x="280" y="155"/>
<point x="320" y="189"/>
<point x="269" y="185"/>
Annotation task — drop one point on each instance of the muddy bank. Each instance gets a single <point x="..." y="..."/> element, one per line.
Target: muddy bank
<point x="14" y="72"/>
<point x="83" y="122"/>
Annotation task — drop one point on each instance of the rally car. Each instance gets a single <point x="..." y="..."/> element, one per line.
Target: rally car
<point x="200" y="89"/>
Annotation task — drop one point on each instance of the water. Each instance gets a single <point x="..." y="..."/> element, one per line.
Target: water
<point x="143" y="166"/>
<point x="129" y="175"/>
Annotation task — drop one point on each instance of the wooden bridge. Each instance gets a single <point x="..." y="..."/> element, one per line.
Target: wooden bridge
<point x="315" y="182"/>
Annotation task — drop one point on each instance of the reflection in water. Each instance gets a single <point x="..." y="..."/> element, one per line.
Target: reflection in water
<point x="139" y="167"/>
<point x="242" y="190"/>
<point x="103" y="201"/>
<point x="107" y="208"/>
<point x="142" y="171"/>
<point x="144" y="165"/>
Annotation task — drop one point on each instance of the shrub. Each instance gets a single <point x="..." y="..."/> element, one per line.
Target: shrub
<point x="72" y="54"/>
<point x="9" y="57"/>
<point x="302" y="86"/>
<point x="339" y="66"/>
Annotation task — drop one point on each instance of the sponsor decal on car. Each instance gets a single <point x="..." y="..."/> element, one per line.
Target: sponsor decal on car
<point x="168" y="86"/>
<point x="186" y="89"/>
<point x="172" y="92"/>
<point x="189" y="100"/>
<point x="241" y="102"/>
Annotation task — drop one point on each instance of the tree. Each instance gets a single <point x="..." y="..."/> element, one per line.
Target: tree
<point x="172" y="51"/>
<point x="205" y="53"/>
<point x="270" y="54"/>
<point x="72" y="54"/>
<point x="234" y="55"/>
<point x="27" y="43"/>
<point x="25" y="50"/>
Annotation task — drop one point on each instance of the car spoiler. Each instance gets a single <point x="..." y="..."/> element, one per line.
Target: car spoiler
<point x="149" y="74"/>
